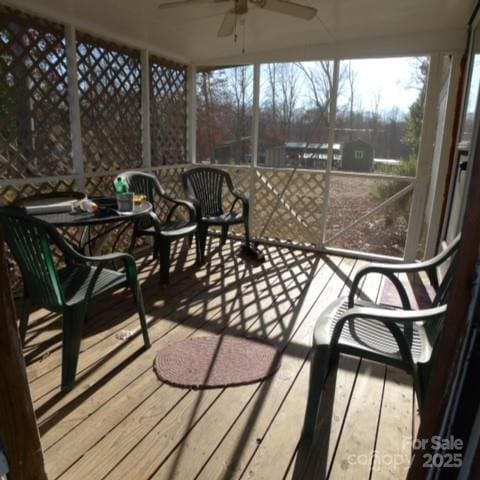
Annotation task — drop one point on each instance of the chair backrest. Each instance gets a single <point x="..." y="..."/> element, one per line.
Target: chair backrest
<point x="444" y="264"/>
<point x="444" y="268"/>
<point x="205" y="185"/>
<point x="30" y="241"/>
<point x="142" y="183"/>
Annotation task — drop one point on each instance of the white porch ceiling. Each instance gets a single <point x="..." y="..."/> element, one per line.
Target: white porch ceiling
<point x="342" y="28"/>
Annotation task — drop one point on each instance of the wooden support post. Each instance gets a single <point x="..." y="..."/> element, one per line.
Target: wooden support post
<point x="146" y="138"/>
<point x="254" y="143"/>
<point x="74" y="107"/>
<point x="18" y="427"/>
<point x="332" y="116"/>
<point x="424" y="163"/>
<point x="192" y="114"/>
<point x="441" y="157"/>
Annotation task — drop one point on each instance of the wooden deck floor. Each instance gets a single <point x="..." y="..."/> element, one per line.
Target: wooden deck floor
<point x="121" y="422"/>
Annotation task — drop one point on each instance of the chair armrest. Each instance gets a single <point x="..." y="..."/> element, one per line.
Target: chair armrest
<point x="238" y="196"/>
<point x="192" y="212"/>
<point x="70" y="252"/>
<point x="399" y="267"/>
<point x="102" y="261"/>
<point x="155" y="220"/>
<point x="394" y="315"/>
<point x="176" y="201"/>
<point x="172" y="199"/>
<point x="242" y="198"/>
<point x="413" y="267"/>
<point x="191" y="198"/>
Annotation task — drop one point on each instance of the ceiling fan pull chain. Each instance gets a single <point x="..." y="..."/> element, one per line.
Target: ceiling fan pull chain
<point x="235" y="35"/>
<point x="243" y="23"/>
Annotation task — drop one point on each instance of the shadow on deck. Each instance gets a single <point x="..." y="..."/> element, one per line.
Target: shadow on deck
<point x="120" y="421"/>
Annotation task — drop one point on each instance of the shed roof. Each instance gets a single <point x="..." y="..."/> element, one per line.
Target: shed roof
<point x="311" y="146"/>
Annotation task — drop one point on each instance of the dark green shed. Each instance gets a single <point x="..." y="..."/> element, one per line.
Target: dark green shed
<point x="357" y="156"/>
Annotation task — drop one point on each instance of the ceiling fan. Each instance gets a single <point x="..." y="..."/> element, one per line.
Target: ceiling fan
<point x="240" y="7"/>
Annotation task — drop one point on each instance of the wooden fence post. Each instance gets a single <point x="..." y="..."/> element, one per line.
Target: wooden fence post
<point x="18" y="427"/>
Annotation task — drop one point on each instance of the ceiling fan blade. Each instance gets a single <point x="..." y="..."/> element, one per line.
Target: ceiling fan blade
<point x="228" y="25"/>
<point x="186" y="3"/>
<point x="289" y="8"/>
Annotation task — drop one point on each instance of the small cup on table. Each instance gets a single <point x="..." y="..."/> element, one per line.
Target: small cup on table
<point x="138" y="201"/>
<point x="125" y="202"/>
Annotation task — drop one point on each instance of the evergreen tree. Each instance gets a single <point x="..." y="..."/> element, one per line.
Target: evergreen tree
<point x="414" y="118"/>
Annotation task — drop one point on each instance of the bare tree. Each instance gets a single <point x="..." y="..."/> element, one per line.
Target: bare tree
<point x="288" y="80"/>
<point x="375" y="116"/>
<point x="351" y="79"/>
<point x="281" y="99"/>
<point x="319" y="80"/>
<point x="319" y="76"/>
<point x="210" y="98"/>
<point x="240" y="88"/>
<point x="272" y="82"/>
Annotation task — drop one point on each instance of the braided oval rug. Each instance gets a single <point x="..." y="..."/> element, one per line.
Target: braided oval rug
<point x="216" y="361"/>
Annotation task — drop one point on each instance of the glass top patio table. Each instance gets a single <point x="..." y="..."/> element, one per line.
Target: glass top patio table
<point x="102" y="216"/>
<point x="106" y="216"/>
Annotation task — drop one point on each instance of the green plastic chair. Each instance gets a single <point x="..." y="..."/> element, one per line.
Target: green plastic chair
<point x="204" y="188"/>
<point x="69" y="289"/>
<point x="402" y="337"/>
<point x="166" y="232"/>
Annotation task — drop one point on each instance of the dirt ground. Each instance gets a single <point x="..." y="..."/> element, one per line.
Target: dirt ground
<point x="350" y="198"/>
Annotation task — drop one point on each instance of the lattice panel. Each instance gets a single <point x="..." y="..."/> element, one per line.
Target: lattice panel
<point x="34" y="117"/>
<point x="168" y="111"/>
<point x="171" y="179"/>
<point x="240" y="179"/>
<point x="109" y="79"/>
<point x="299" y="213"/>
<point x="100" y="186"/>
<point x="10" y="193"/>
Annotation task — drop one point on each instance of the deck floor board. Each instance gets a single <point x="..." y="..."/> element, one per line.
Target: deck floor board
<point x="120" y="421"/>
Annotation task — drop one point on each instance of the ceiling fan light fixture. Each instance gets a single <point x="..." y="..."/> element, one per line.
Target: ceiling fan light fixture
<point x="240" y="7"/>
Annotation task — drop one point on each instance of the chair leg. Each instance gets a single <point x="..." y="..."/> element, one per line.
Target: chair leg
<point x="164" y="246"/>
<point x="133" y="241"/>
<point x="247" y="233"/>
<point x="318" y="373"/>
<point x="22" y="328"/>
<point x="418" y="387"/>
<point x="73" y="320"/>
<point x="202" y="241"/>
<point x="198" y="248"/>
<point x="189" y="240"/>
<point x="224" y="234"/>
<point x="137" y="295"/>
<point x="156" y="248"/>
